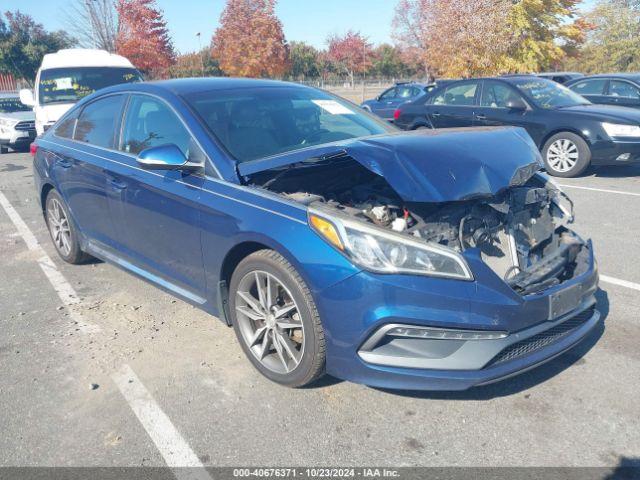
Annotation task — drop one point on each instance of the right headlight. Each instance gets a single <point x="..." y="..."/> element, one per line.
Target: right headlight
<point x="620" y="130"/>
<point x="383" y="251"/>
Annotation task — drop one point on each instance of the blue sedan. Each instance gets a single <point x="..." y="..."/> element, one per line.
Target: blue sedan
<point x="330" y="241"/>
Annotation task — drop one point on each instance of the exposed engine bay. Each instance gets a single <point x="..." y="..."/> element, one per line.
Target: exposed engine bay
<point x="521" y="233"/>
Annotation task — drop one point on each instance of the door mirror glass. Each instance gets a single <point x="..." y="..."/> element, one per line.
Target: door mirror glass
<point x="516" y="104"/>
<point x="26" y="97"/>
<point x="164" y="157"/>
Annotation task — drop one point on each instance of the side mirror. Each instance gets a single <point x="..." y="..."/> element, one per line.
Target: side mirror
<point x="26" y="97"/>
<point x="517" y="105"/>
<point x="165" y="157"/>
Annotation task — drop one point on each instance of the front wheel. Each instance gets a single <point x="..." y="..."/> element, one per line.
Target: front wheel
<point x="276" y="320"/>
<point x="566" y="155"/>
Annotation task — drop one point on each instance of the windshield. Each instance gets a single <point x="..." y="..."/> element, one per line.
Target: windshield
<point x="549" y="94"/>
<point x="261" y="122"/>
<point x="10" y="105"/>
<point x="68" y="85"/>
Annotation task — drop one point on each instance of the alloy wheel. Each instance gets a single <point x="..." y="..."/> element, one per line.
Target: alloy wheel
<point x="59" y="227"/>
<point x="562" y="155"/>
<point x="269" y="321"/>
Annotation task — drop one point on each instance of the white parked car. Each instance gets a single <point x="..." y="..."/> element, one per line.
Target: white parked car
<point x="69" y="75"/>
<point x="17" y="129"/>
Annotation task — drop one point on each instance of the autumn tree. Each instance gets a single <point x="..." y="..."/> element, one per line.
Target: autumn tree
<point x="350" y="53"/>
<point x="543" y="33"/>
<point x="613" y="40"/>
<point x="23" y="43"/>
<point x="143" y="36"/>
<point x="459" y="38"/>
<point x="250" y="41"/>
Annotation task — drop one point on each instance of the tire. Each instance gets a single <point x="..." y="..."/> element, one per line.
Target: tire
<point x="566" y="155"/>
<point x="294" y="354"/>
<point x="3" y="150"/>
<point x="63" y="231"/>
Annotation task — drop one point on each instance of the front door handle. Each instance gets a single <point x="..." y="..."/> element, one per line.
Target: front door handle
<point x="435" y="114"/>
<point x="481" y="116"/>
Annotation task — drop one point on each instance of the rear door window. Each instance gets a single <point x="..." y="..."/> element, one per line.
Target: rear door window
<point x="497" y="95"/>
<point x="462" y="95"/>
<point x="389" y="94"/>
<point x="98" y="121"/>
<point x="589" y="87"/>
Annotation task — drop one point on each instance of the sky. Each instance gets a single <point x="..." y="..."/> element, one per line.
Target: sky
<point x="311" y="21"/>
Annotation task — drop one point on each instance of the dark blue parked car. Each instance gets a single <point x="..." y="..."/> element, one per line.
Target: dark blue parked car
<point x="386" y="103"/>
<point x="571" y="133"/>
<point x="329" y="240"/>
<point x="621" y="89"/>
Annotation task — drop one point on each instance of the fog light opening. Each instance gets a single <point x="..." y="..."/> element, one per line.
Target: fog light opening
<point x="444" y="334"/>
<point x="625" y="157"/>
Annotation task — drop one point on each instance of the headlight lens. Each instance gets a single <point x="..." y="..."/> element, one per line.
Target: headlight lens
<point x="619" y="130"/>
<point x="7" y="123"/>
<point x="380" y="251"/>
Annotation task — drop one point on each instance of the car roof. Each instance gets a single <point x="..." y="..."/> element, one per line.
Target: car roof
<point x="625" y="75"/>
<point x="83" y="57"/>
<point x="186" y="86"/>
<point x="553" y="74"/>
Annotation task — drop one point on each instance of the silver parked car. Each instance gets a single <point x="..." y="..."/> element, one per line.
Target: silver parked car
<point x="17" y="123"/>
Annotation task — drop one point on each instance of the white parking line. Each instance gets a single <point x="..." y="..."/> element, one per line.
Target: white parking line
<point x="63" y="288"/>
<point x="621" y="283"/>
<point x="604" y="190"/>
<point x="173" y="448"/>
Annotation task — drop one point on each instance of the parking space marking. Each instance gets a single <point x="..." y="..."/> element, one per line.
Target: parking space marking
<point x="62" y="287"/>
<point x="173" y="448"/>
<point x="604" y="190"/>
<point x="621" y="283"/>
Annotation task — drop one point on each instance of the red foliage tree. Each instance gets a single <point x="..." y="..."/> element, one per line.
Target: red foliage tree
<point x="350" y="53"/>
<point x="143" y="36"/>
<point x="250" y="41"/>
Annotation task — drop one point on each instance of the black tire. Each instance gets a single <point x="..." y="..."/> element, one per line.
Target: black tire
<point x="3" y="150"/>
<point x="571" y="145"/>
<point x="311" y="364"/>
<point x="74" y="255"/>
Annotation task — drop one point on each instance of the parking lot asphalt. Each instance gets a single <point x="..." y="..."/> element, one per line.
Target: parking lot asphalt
<point x="126" y="375"/>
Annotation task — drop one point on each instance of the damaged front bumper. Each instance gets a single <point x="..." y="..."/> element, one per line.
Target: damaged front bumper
<point x="530" y="329"/>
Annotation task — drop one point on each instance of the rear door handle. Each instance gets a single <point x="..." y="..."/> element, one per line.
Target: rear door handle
<point x="480" y="116"/>
<point x="64" y="163"/>
<point x="117" y="184"/>
<point x="435" y="114"/>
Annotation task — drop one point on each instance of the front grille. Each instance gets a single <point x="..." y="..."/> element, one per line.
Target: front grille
<point x="543" y="339"/>
<point x="26" y="125"/>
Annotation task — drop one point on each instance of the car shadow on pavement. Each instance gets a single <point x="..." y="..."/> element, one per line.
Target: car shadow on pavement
<point x="617" y="171"/>
<point x="529" y="379"/>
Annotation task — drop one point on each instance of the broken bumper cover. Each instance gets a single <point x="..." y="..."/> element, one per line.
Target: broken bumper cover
<point x="400" y="361"/>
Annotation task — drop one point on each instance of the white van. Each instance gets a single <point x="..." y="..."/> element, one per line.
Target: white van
<point x="67" y="76"/>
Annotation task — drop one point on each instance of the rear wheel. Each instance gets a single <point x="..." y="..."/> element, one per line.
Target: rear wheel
<point x="62" y="230"/>
<point x="276" y="320"/>
<point x="566" y="155"/>
<point x="4" y="150"/>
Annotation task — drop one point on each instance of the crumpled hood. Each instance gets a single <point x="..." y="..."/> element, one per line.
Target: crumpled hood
<point x="432" y="165"/>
